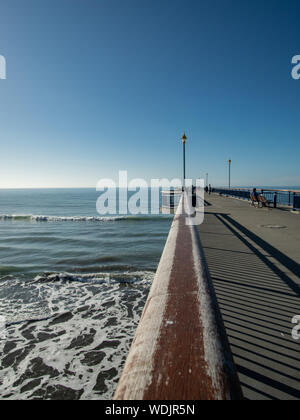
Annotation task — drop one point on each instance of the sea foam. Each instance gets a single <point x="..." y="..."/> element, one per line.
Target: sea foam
<point x="41" y="218"/>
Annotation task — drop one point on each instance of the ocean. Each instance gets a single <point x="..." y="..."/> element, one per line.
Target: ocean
<point x="73" y="285"/>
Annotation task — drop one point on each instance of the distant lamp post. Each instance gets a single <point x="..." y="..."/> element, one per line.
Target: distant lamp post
<point x="229" y="163"/>
<point x="184" y="139"/>
<point x="207" y="179"/>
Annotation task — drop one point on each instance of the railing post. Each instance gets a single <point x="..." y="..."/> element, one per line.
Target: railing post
<point x="294" y="201"/>
<point x="275" y="200"/>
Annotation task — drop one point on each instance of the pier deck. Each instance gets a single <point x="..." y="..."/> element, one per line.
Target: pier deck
<point x="253" y="258"/>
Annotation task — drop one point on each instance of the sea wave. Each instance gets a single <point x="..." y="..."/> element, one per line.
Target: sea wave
<point x="4" y="270"/>
<point x="128" y="277"/>
<point x="41" y="218"/>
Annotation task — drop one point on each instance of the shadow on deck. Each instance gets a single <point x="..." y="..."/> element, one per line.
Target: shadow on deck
<point x="258" y="301"/>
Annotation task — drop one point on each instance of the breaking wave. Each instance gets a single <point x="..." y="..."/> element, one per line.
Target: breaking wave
<point x="41" y="218"/>
<point x="127" y="277"/>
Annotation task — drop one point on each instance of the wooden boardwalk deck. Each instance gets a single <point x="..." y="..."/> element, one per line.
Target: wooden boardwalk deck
<point x="253" y="256"/>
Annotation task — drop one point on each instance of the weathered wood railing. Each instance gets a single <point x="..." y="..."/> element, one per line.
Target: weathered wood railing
<point x="180" y="350"/>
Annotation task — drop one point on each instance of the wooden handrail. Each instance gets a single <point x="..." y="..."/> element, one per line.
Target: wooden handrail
<point x="180" y="350"/>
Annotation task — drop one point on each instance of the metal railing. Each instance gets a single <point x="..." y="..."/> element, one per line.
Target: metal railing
<point x="288" y="198"/>
<point x="171" y="198"/>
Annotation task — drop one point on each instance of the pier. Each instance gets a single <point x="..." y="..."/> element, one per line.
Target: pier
<point x="218" y="320"/>
<point x="253" y="258"/>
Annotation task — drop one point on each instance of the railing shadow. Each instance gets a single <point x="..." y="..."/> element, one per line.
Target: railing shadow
<point x="207" y="203"/>
<point x="271" y="250"/>
<point x="258" y="301"/>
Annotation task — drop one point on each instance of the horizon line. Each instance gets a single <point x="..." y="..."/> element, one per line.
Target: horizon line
<point x="95" y="188"/>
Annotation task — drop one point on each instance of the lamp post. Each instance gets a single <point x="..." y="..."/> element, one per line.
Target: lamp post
<point x="184" y="139"/>
<point x="207" y="179"/>
<point x="229" y="162"/>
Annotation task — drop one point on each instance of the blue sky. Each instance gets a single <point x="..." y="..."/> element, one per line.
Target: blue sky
<point x="98" y="86"/>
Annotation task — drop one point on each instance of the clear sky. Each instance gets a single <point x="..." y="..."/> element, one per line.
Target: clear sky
<point x="98" y="86"/>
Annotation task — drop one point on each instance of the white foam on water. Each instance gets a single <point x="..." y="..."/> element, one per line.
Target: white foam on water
<point x="69" y="334"/>
<point x="41" y="218"/>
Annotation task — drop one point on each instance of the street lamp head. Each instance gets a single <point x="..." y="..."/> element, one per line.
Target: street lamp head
<point x="229" y="161"/>
<point x="184" y="138"/>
